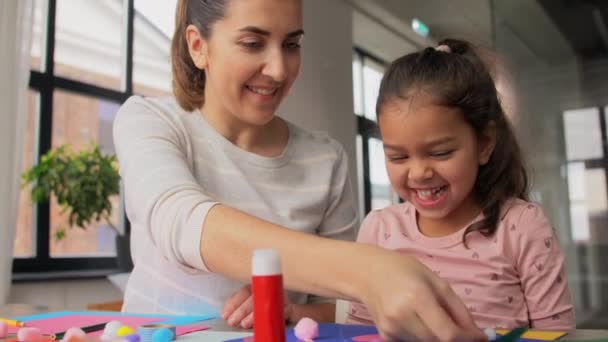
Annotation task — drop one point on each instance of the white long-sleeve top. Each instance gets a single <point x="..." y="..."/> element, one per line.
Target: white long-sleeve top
<point x="175" y="167"/>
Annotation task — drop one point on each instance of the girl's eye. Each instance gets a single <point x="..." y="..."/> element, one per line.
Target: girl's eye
<point x="442" y="153"/>
<point x="396" y="158"/>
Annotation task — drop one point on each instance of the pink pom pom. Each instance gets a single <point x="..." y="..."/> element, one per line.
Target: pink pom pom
<point x="29" y="334"/>
<point x="75" y="334"/>
<point x="3" y="329"/>
<point x="306" y="329"/>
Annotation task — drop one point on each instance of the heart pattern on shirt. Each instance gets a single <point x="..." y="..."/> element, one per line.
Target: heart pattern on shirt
<point x="548" y="242"/>
<point x="494" y="277"/>
<point x="510" y="299"/>
<point x="475" y="255"/>
<point x="468" y="290"/>
<point x="539" y="267"/>
<point x="512" y="227"/>
<point x="387" y="235"/>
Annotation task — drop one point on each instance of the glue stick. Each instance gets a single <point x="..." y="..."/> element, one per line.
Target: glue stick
<point x="267" y="285"/>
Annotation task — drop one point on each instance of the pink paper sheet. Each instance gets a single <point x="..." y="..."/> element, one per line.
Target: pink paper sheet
<point x="55" y="325"/>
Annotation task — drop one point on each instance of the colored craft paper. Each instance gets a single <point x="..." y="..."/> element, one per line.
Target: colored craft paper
<point x="60" y="321"/>
<point x="541" y="335"/>
<point x="354" y="333"/>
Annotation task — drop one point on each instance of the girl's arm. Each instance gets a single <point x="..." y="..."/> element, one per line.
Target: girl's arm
<point x="540" y="262"/>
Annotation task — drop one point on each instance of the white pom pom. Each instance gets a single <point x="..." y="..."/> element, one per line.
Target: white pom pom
<point x="490" y="333"/>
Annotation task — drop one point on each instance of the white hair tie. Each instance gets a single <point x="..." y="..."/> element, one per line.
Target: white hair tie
<point x="443" y="48"/>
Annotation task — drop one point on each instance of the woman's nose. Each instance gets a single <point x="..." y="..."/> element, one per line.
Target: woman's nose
<point x="275" y="66"/>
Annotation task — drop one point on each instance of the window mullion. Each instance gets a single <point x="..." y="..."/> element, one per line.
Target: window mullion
<point x="42" y="216"/>
<point x="129" y="10"/>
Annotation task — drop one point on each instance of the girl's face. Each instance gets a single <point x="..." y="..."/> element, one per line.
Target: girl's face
<point x="432" y="157"/>
<point x="251" y="59"/>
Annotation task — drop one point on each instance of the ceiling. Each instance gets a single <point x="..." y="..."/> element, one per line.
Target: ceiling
<point x="583" y="23"/>
<point x="535" y="33"/>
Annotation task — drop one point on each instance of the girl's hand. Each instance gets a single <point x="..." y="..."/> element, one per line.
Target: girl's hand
<point x="408" y="301"/>
<point x="238" y="309"/>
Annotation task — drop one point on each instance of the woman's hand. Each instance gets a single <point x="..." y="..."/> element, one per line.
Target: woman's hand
<point x="238" y="309"/>
<point x="408" y="301"/>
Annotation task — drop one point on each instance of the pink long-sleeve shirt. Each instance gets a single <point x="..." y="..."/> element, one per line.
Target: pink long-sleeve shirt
<point x="513" y="279"/>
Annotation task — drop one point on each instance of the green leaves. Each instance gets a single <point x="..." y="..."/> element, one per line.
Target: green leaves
<point x="82" y="182"/>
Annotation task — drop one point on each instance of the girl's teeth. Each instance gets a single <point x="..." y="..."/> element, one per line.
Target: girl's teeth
<point x="426" y="194"/>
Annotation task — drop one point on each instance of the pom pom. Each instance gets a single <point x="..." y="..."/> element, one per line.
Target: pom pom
<point x="490" y="333"/>
<point x="29" y="334"/>
<point x="124" y="331"/>
<point x="3" y="329"/>
<point x="306" y="329"/>
<point x="75" y="339"/>
<point x="105" y="337"/>
<point x="74" y="334"/>
<point x="111" y="328"/>
<point x="132" y="338"/>
<point x="162" y="335"/>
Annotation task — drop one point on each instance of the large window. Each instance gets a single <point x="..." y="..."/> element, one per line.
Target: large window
<point x="87" y="58"/>
<point x="376" y="189"/>
<point x="585" y="144"/>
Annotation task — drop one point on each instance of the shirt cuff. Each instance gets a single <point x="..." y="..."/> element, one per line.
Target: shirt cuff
<point x="191" y="238"/>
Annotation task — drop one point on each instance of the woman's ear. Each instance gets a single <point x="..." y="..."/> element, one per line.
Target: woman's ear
<point x="487" y="142"/>
<point x="197" y="47"/>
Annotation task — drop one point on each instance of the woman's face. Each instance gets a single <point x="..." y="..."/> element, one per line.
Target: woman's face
<point x="251" y="59"/>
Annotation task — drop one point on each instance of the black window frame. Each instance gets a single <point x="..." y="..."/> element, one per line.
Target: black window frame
<point x="366" y="129"/>
<point x="45" y="83"/>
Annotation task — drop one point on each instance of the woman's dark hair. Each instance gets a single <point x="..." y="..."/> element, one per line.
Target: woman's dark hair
<point x="459" y="78"/>
<point x="188" y="80"/>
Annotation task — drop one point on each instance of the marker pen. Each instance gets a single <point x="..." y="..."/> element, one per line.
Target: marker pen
<point x="267" y="286"/>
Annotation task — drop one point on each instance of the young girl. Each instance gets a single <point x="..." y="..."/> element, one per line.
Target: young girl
<point x="452" y="155"/>
<point x="212" y="174"/>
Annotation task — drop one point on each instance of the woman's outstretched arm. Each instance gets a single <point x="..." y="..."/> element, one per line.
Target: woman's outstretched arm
<point x="405" y="299"/>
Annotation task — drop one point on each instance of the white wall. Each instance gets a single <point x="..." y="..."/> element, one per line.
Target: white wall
<point x="322" y="97"/>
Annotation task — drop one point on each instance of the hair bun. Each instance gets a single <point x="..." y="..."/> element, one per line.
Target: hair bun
<point x="456" y="46"/>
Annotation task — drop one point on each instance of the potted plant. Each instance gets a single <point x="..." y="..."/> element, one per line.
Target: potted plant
<point x="83" y="183"/>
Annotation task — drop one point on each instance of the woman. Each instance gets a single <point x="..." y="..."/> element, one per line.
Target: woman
<point x="213" y="174"/>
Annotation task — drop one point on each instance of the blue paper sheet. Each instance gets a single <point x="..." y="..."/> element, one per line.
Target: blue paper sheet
<point x="341" y="333"/>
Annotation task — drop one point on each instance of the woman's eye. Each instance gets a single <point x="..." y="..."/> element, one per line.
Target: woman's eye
<point x="251" y="44"/>
<point x="292" y="45"/>
<point x="396" y="158"/>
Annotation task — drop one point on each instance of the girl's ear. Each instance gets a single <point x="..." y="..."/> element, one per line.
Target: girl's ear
<point x="487" y="142"/>
<point x="197" y="47"/>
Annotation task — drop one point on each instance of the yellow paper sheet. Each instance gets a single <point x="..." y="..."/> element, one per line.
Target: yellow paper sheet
<point x="543" y="335"/>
